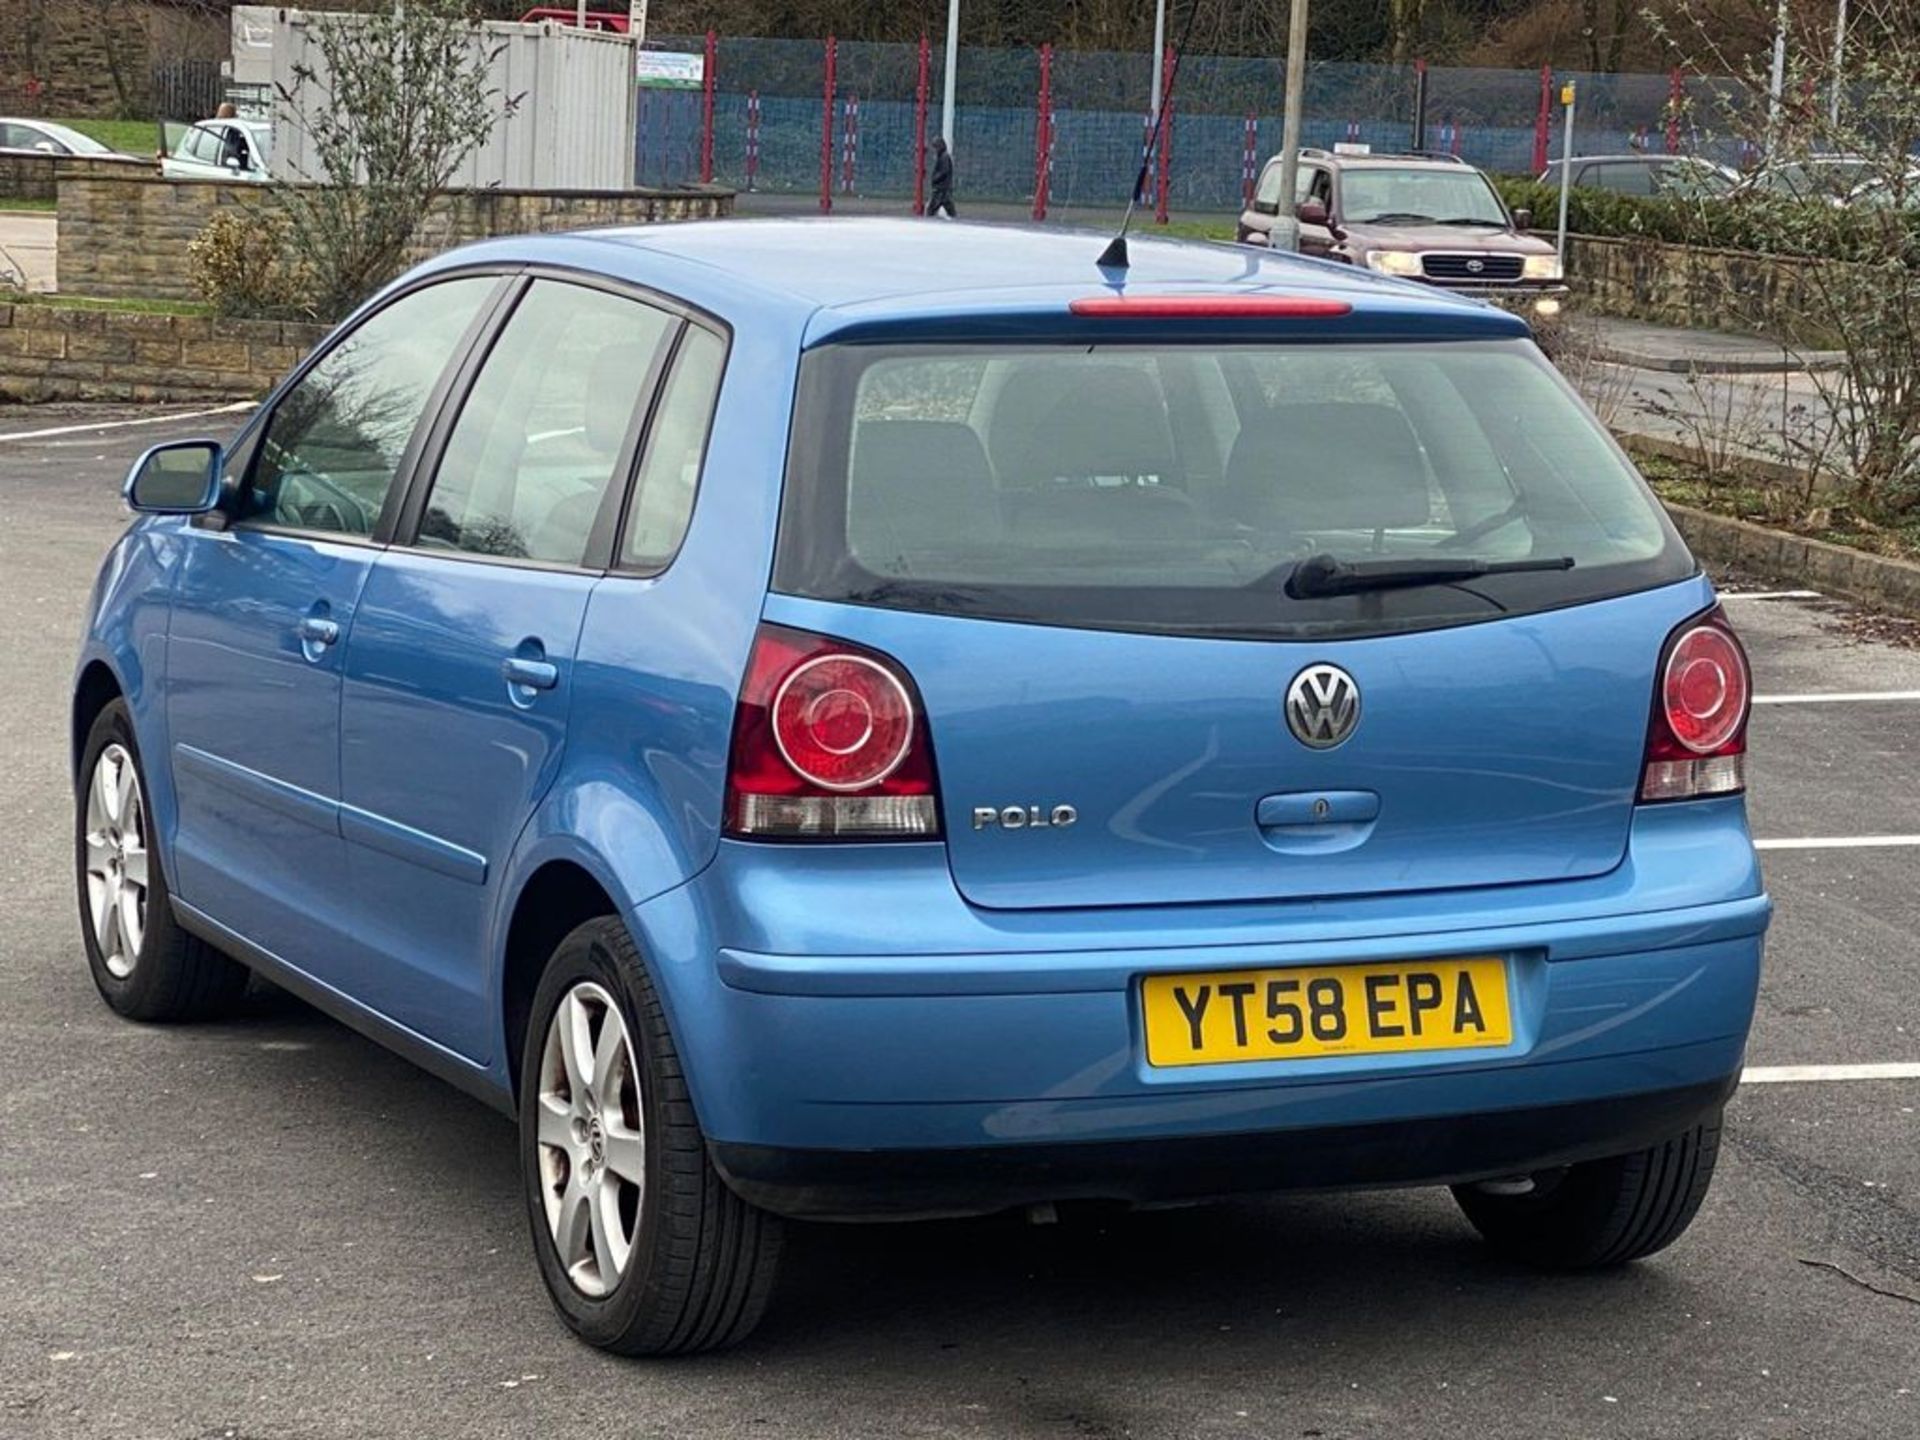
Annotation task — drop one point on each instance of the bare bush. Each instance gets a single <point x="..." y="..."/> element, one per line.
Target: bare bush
<point x="1869" y="308"/>
<point x="394" y="101"/>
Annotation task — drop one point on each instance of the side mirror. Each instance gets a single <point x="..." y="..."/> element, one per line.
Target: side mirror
<point x="1311" y="212"/>
<point x="1266" y="207"/>
<point x="178" y="478"/>
<point x="1523" y="219"/>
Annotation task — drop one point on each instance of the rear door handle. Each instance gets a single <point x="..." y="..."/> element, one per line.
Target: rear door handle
<point x="316" y="631"/>
<point x="532" y="674"/>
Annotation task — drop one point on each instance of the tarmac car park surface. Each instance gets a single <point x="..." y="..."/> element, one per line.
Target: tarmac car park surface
<point x="272" y="1228"/>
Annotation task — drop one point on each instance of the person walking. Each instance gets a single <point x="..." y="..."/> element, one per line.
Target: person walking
<point x="942" y="180"/>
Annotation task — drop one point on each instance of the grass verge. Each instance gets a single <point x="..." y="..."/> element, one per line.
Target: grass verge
<point x="129" y="137"/>
<point x="88" y="302"/>
<point x="1818" y="514"/>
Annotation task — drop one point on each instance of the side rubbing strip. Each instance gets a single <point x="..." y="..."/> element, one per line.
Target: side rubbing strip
<point x="193" y="765"/>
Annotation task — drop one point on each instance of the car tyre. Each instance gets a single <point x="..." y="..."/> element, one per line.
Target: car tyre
<point x="660" y="1256"/>
<point x="144" y="965"/>
<point x="1602" y="1212"/>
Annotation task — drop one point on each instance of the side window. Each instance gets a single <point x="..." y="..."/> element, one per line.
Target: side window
<point x="1622" y="179"/>
<point x="540" y="438"/>
<point x="1269" y="191"/>
<point x="331" y="449"/>
<point x="199" y="145"/>
<point x="1320" y="187"/>
<point x="676" y="447"/>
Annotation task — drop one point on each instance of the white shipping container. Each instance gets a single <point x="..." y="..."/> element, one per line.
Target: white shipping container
<point x="571" y="129"/>
<point x="253" y="44"/>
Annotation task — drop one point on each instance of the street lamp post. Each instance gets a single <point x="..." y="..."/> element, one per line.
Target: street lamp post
<point x="1159" y="58"/>
<point x="952" y="70"/>
<point x="1777" y="82"/>
<point x="1291" y="119"/>
<point x="1839" y="63"/>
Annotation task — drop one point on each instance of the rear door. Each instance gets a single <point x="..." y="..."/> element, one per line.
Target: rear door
<point x="264" y="603"/>
<point x="459" y="674"/>
<point x="1100" y="621"/>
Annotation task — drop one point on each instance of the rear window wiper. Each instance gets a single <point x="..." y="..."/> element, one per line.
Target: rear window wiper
<point x="1325" y="574"/>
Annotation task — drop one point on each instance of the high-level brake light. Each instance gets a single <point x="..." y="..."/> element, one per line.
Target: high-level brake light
<point x="1209" y="307"/>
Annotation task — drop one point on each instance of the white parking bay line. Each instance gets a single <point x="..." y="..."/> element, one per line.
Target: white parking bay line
<point x="1772" y="595"/>
<point x="1837" y="842"/>
<point x="124" y="424"/>
<point x="1800" y="1074"/>
<point x="1838" y="697"/>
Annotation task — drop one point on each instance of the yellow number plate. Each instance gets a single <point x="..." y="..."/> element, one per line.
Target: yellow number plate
<point x="1297" y="1014"/>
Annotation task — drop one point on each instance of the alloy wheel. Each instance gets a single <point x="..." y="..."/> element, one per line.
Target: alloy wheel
<point x="591" y="1142"/>
<point x="117" y="860"/>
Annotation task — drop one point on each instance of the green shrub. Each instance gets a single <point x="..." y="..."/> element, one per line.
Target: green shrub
<point x="240" y="266"/>
<point x="1762" y="222"/>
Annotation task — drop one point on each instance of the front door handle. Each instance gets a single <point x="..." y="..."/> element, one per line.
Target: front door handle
<point x="531" y="674"/>
<point x="316" y="631"/>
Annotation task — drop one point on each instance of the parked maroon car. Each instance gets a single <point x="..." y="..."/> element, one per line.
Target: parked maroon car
<point x="1423" y="217"/>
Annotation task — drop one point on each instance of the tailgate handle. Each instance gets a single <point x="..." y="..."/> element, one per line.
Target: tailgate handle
<point x="1308" y="808"/>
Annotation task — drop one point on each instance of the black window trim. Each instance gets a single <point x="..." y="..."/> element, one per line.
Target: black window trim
<point x="401" y="485"/>
<point x="632" y="496"/>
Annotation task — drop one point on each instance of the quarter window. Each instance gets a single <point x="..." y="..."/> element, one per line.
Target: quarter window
<point x="676" y="447"/>
<point x="541" y="438"/>
<point x="333" y="445"/>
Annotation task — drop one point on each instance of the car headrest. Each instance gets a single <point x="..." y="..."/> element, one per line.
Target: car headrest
<point x="618" y="373"/>
<point x="1329" y="467"/>
<point x="1112" y="422"/>
<point x="914" y="484"/>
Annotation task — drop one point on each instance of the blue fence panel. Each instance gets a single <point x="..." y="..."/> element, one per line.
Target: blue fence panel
<point x="1099" y="98"/>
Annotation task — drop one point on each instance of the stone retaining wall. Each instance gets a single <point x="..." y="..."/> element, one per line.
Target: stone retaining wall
<point x="50" y="352"/>
<point x="1689" y="285"/>
<point x="127" y="237"/>
<point x="37" y="177"/>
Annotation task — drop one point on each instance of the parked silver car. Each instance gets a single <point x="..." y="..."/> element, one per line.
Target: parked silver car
<point x="1687" y="177"/>
<point x="44" y="137"/>
<point x="219" y="149"/>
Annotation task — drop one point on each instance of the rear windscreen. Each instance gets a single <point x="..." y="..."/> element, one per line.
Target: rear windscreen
<point x="1177" y="488"/>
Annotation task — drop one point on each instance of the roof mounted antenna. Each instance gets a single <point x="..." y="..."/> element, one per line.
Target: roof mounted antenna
<point x="1114" y="257"/>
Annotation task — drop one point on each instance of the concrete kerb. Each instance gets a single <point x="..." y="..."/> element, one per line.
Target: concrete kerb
<point x="1876" y="580"/>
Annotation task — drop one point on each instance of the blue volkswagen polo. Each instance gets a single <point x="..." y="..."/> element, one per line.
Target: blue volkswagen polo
<point x="868" y="719"/>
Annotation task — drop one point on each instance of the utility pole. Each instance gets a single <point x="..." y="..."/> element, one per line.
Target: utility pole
<point x="952" y="68"/>
<point x="1777" y="85"/>
<point x="1291" y="117"/>
<point x="1839" y="63"/>
<point x="1159" y="58"/>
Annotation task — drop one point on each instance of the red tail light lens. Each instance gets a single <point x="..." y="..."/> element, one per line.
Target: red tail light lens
<point x="1697" y="743"/>
<point x="829" y="742"/>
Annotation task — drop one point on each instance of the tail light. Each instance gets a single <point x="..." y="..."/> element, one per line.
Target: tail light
<point x="1697" y="742"/>
<point x="829" y="743"/>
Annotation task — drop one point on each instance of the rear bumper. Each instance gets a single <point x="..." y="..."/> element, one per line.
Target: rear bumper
<point x="1448" y="1149"/>
<point x="859" y="1040"/>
